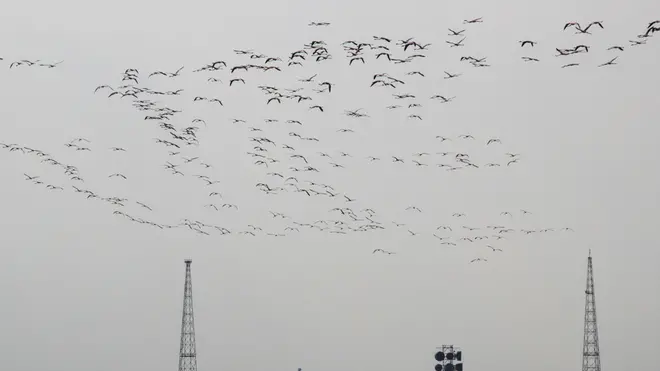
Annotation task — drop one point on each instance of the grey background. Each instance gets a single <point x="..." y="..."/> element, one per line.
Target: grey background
<point x="85" y="289"/>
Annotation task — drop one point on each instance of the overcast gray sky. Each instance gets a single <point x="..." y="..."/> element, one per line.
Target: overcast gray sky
<point x="85" y="289"/>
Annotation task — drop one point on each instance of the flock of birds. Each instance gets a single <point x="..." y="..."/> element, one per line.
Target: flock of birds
<point x="651" y="28"/>
<point x="294" y="163"/>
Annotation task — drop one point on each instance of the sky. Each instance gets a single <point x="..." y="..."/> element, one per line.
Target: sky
<point x="87" y="288"/>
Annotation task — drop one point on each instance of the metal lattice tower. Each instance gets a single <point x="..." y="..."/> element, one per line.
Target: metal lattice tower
<point x="187" y="351"/>
<point x="590" y="352"/>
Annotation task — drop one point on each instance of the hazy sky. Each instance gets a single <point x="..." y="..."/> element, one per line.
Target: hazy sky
<point x="85" y="289"/>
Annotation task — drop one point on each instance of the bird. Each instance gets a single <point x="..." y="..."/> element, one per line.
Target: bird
<point x="609" y="63"/>
<point x="451" y="76"/>
<point x="415" y="73"/>
<point x="455" y="44"/>
<point x="527" y="42"/>
<point x="166" y="74"/>
<point x="143" y="205"/>
<point x="232" y="81"/>
<point x="356" y="59"/>
<point x="580" y="30"/>
<point x="50" y="65"/>
<point x="475" y="20"/>
<point x="442" y="98"/>
<point x="309" y="79"/>
<point x="328" y="85"/>
<point x="380" y="38"/>
<point x="102" y="87"/>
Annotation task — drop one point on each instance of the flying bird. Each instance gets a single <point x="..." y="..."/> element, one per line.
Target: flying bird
<point x="476" y="20"/>
<point x="232" y="81"/>
<point x="455" y="44"/>
<point x="609" y="63"/>
<point x="451" y="76"/>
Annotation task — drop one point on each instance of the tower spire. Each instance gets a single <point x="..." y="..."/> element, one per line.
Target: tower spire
<point x="187" y="351"/>
<point x="590" y="351"/>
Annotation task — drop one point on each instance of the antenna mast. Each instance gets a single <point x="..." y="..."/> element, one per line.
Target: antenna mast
<point x="187" y="351"/>
<point x="590" y="352"/>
